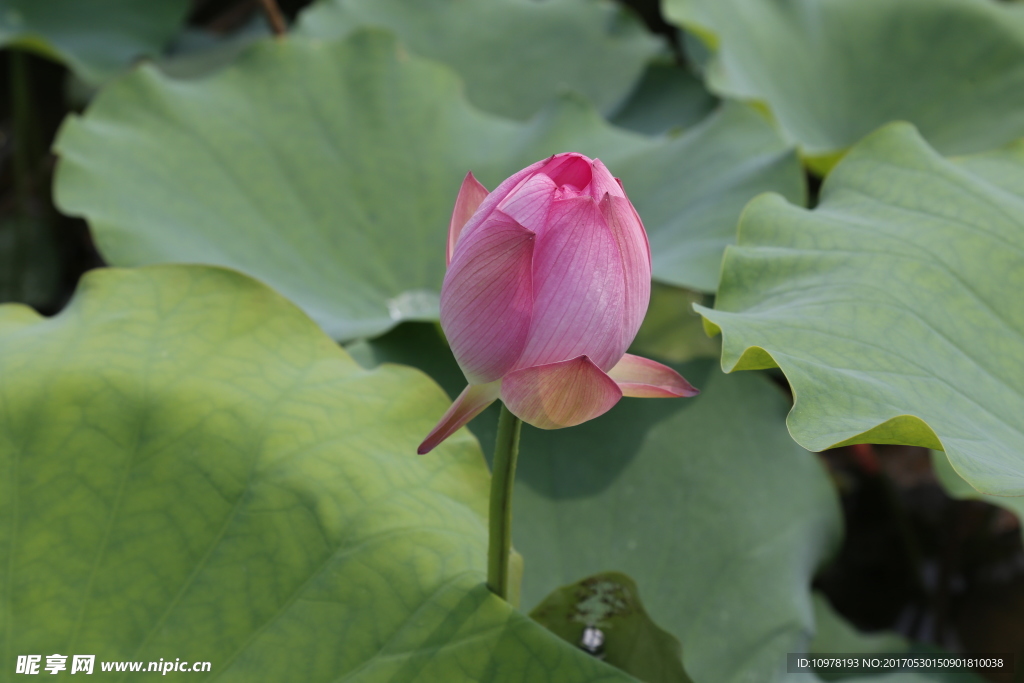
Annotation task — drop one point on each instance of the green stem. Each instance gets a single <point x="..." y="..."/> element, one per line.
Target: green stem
<point x="503" y="476"/>
<point x="24" y="154"/>
<point x="21" y="115"/>
<point x="274" y="17"/>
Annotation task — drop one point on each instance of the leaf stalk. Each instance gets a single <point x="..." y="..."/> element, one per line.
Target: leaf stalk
<point x="23" y="135"/>
<point x="274" y="17"/>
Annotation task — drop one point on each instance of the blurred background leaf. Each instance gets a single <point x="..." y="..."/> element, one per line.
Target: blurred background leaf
<point x="95" y="38"/>
<point x="515" y="56"/>
<point x="338" y="189"/>
<point x="833" y="71"/>
<point x="199" y="52"/>
<point x="672" y="330"/>
<point x="666" y="99"/>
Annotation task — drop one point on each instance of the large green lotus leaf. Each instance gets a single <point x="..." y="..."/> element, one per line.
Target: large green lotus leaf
<point x="834" y="70"/>
<point x="705" y="502"/>
<point x="95" y="38"/>
<point x="514" y="55"/>
<point x="193" y="470"/>
<point x="328" y="170"/>
<point x="196" y="53"/>
<point x="894" y="307"/>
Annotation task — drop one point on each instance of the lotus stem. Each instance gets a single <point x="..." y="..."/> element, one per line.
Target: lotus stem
<point x="503" y="475"/>
<point x="274" y="17"/>
<point x="24" y="157"/>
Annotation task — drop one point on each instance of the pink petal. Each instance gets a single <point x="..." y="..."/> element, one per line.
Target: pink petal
<point x="579" y="292"/>
<point x="643" y="378"/>
<point x="559" y="394"/>
<point x="471" y="194"/>
<point x="506" y="186"/>
<point x="470" y="403"/>
<point x="530" y="201"/>
<point x="487" y="298"/>
<point x="604" y="182"/>
<point x="635" y="253"/>
<point x="569" y="169"/>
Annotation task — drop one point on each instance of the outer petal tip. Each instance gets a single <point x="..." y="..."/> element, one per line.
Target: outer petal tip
<point x="470" y="403"/>
<point x="644" y="378"/>
<point x="471" y="196"/>
<point x="604" y="182"/>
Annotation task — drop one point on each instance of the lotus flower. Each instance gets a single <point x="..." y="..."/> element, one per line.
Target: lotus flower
<point x="548" y="280"/>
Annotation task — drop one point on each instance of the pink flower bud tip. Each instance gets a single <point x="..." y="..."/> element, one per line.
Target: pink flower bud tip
<point x="549" y="278"/>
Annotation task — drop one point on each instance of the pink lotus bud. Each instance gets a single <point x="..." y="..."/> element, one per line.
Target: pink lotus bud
<point x="548" y="280"/>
